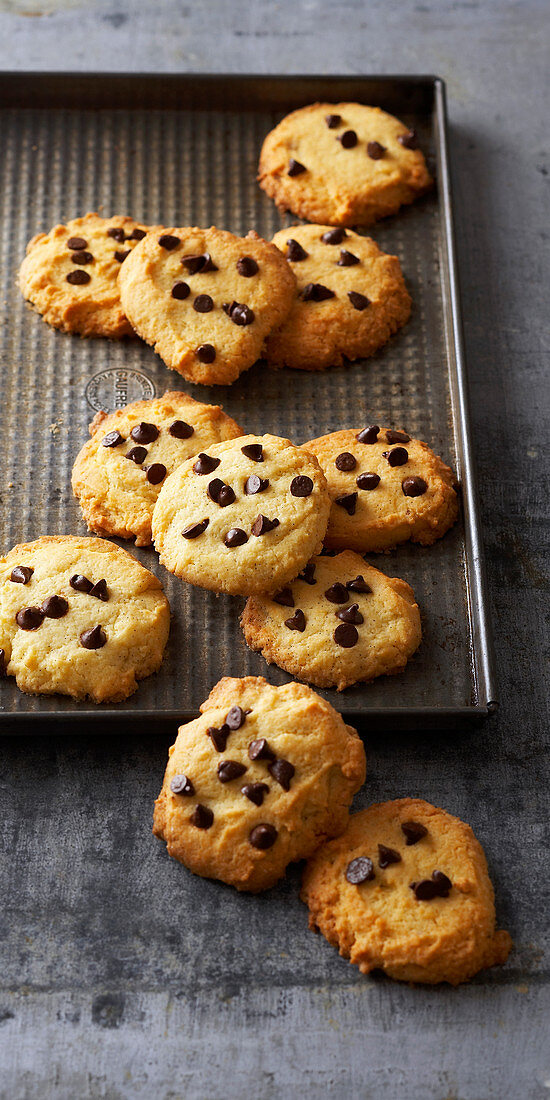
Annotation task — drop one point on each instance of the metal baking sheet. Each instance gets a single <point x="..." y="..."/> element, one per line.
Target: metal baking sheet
<point x="183" y="150"/>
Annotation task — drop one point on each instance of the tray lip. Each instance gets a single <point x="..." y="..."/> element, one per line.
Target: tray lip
<point x="481" y="635"/>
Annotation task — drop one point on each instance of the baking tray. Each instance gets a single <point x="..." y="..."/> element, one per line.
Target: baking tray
<point x="183" y="150"/>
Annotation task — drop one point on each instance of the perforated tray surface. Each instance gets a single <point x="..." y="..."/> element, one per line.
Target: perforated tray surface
<point x="184" y="151"/>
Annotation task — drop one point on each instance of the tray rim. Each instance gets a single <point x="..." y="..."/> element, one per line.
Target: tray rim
<point x="482" y="658"/>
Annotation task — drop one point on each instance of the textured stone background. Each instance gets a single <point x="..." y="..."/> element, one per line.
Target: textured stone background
<point x="108" y="987"/>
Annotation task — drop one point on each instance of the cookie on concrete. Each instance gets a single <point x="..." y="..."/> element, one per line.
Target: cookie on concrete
<point x="350" y="298"/>
<point x="406" y="890"/>
<point x="244" y="516"/>
<point x="338" y="623"/>
<point x="259" y="780"/>
<point x="206" y="300"/>
<point x="120" y="471"/>
<point x="80" y="617"/>
<point x="385" y="488"/>
<point x="342" y="163"/>
<point x="70" y="274"/>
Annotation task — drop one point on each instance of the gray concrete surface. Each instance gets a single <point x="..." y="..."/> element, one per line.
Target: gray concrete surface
<point x="104" y="990"/>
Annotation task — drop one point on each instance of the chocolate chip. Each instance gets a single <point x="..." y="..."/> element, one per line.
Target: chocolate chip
<point x="235" y="718"/>
<point x="398" y="457"/>
<point x="413" y="831"/>
<point x="386" y="856"/>
<point x="247" y="267"/>
<point x="375" y="150"/>
<point x="253" y="451"/>
<point x="99" y="590"/>
<point x="348" y="502"/>
<point x="205" y="463"/>
<point x="337" y="593"/>
<point x="351" y="614"/>
<point x="358" y="585"/>
<point x="136" y="454"/>
<point x="203" y="303"/>
<point x="78" y="278"/>
<point x="30" y="618"/>
<point x="180" y="430"/>
<point x="76" y="243"/>
<point x="284" y="597"/>
<point x="295" y="168"/>
<point x="438" y="886"/>
<point x="443" y="883"/>
<point x="409" y="140"/>
<point x="112" y="439"/>
<point x="219" y="737"/>
<point x="345" y="461"/>
<point x="21" y="574"/>
<point x="240" y="314"/>
<point x="348" y="139"/>
<point x="368" y="481"/>
<point x="217" y="487"/>
<point x="205" y="263"/>
<point x="229" y="770"/>
<point x="144" y="433"/>
<point x="414" y="486"/>
<point x="55" y="607"/>
<point x="368" y="435"/>
<point x="358" y="301"/>
<point x="397" y="437"/>
<point x="262" y="525"/>
<point x="347" y="259"/>
<point x="316" y="292"/>
<point x="181" y="291"/>
<point x="202" y="817"/>
<point x="155" y="473"/>
<point x="235" y="537"/>
<point x="334" y="236"/>
<point x="346" y="635"/>
<point x="282" y="771"/>
<point x="80" y="583"/>
<point x="308" y="573"/>
<point x="360" y="870"/>
<point x="297" y="622"/>
<point x="255" y="484"/>
<point x="333" y="121"/>
<point x="295" y="253"/>
<point x="260" y="750"/>
<point x="82" y="258"/>
<point x="263" y="836"/>
<point x="255" y="792"/>
<point x="195" y="529"/>
<point x="121" y="255"/>
<point x="94" y="638"/>
<point x="117" y="233"/>
<point x="4" y="666"/>
<point x="181" y="784"/>
<point x="136" y="235"/>
<point x="169" y="242"/>
<point x="301" y="486"/>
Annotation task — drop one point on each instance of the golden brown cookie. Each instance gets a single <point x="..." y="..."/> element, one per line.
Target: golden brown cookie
<point x="70" y="274"/>
<point x="406" y="889"/>
<point x="338" y="623"/>
<point x="81" y="617"/>
<point x="342" y="163"/>
<point x="119" y="473"/>
<point x="206" y="300"/>
<point x="385" y="488"/>
<point x="259" y="780"/>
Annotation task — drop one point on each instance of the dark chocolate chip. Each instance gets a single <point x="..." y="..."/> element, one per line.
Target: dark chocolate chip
<point x="255" y="792"/>
<point x="144" y="433"/>
<point x="351" y="614"/>
<point x="199" y="263"/>
<point x="301" y="486"/>
<point x="214" y="487"/>
<point x="112" y="439"/>
<point x="316" y="292"/>
<point x="76" y="243"/>
<point x="398" y="457"/>
<point x="334" y="236"/>
<point x="94" y="638"/>
<point x="284" y="597"/>
<point x="368" y="435"/>
<point x="137" y="454"/>
<point x="360" y="870"/>
<point x="4" y="666"/>
<point x="219" y="737"/>
<point x="136" y="235"/>
<point x="253" y="451"/>
<point x="358" y="301"/>
<point x="397" y="437"/>
<point x="155" y="473"/>
<point x="295" y="253"/>
<point x="221" y="493"/>
<point x="282" y="771"/>
<point x="30" y="618"/>
<point x="205" y="463"/>
<point x="241" y="314"/>
<point x="121" y="255"/>
<point x="169" y="242"/>
<point x="78" y="278"/>
<point x="375" y="150"/>
<point x="21" y="574"/>
<point x="348" y="502"/>
<point x="262" y="525"/>
<point x="347" y="259"/>
<point x="337" y="593"/>
<point x="413" y="831"/>
<point x="229" y="770"/>
<point x="195" y="529"/>
<point x="295" y="168"/>
<point x="263" y="836"/>
<point x="424" y="890"/>
<point x="348" y="139"/>
<point x="260" y="750"/>
<point x="82" y="257"/>
<point x="80" y="583"/>
<point x="255" y="484"/>
<point x="247" y="267"/>
<point x="202" y="817"/>
<point x="308" y="573"/>
<point x="443" y="883"/>
<point x="386" y="856"/>
<point x="333" y="121"/>
<point x="235" y="537"/>
<point x="181" y="291"/>
<point x="181" y="784"/>
<point x="235" y="718"/>
<point x="117" y="233"/>
<point x="414" y="486"/>
<point x="181" y="430"/>
<point x="345" y="461"/>
<point x="346" y="635"/>
<point x="100" y="591"/>
<point x="55" y="607"/>
<point x="297" y="622"/>
<point x="359" y="584"/>
<point x="409" y="140"/>
<point x="203" y="303"/>
<point x="368" y="481"/>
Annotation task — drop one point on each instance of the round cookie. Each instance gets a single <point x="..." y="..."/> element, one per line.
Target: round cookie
<point x="243" y="517"/>
<point x="119" y="472"/>
<point x="385" y="488"/>
<point x="70" y="274"/>
<point x="258" y="781"/>
<point x="350" y="298"/>
<point x="339" y="622"/>
<point x="342" y="163"/>
<point x="81" y="617"/>
<point x="206" y="300"/>
<point x="406" y="890"/>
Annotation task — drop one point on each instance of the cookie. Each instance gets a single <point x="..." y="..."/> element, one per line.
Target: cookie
<point x="258" y="781"/>
<point x="119" y="472"/>
<point x="70" y="274"/>
<point x="385" y="488"/>
<point x="206" y="300"/>
<point x="81" y="617"/>
<point x="350" y="298"/>
<point x="406" y="890"/>
<point x="342" y="163"/>
<point x="243" y="517"/>
<point x="339" y="622"/>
